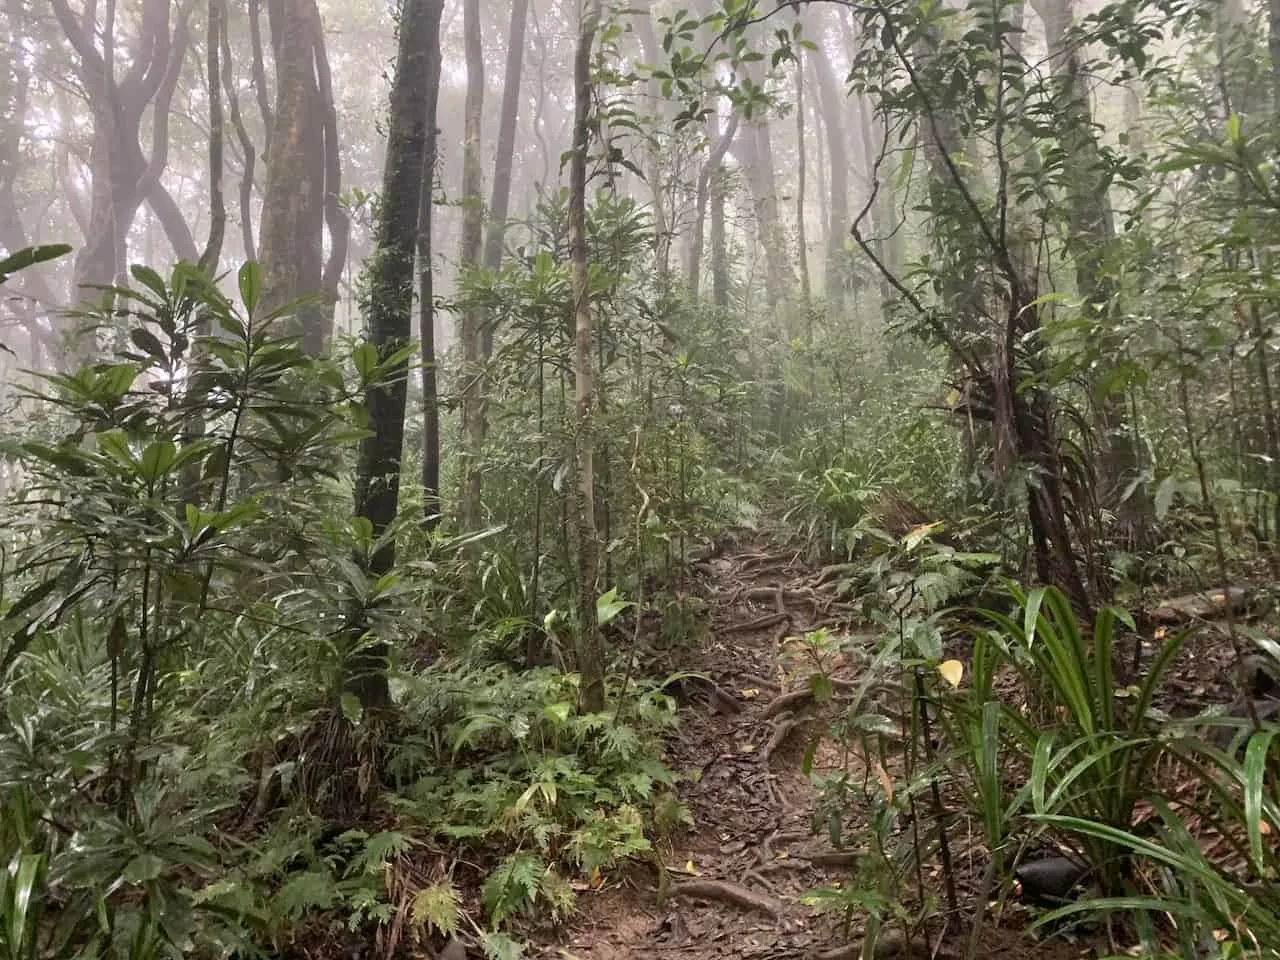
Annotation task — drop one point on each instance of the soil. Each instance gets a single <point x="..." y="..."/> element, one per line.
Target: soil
<point x="737" y="879"/>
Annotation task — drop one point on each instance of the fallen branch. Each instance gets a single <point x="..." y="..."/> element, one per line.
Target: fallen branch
<point x="727" y="892"/>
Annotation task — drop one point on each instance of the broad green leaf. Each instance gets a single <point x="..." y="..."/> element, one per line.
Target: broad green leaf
<point x="250" y="285"/>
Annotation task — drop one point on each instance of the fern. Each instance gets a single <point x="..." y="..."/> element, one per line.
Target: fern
<point x="513" y="887"/>
<point x="436" y="907"/>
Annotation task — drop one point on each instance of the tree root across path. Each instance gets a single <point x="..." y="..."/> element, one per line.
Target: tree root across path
<point x="728" y="892"/>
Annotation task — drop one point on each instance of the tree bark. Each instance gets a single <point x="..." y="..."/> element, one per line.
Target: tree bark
<point x="390" y="310"/>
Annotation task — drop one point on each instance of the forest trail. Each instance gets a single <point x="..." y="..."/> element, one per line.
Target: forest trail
<point x="736" y="878"/>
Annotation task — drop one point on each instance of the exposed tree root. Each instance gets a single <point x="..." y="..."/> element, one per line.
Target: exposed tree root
<point x="727" y="892"/>
<point x="785" y="702"/>
<point x="760" y="623"/>
<point x="781" y="730"/>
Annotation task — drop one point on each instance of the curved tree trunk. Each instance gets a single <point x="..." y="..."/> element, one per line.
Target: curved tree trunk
<point x="123" y="176"/>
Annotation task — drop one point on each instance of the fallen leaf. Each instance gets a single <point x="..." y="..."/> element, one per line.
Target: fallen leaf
<point x="690" y="869"/>
<point x="750" y="693"/>
<point x="952" y="671"/>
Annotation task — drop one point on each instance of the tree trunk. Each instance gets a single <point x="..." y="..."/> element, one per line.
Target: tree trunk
<point x="710" y="170"/>
<point x="426" y="285"/>
<point x="122" y="176"/>
<point x="755" y="151"/>
<point x="801" y="248"/>
<point x="833" y="102"/>
<point x="390" y="310"/>
<point x="500" y="203"/>
<point x="1092" y="226"/>
<point x="335" y="217"/>
<point x="719" y="240"/>
<point x="590" y="652"/>
<point x="217" y="27"/>
<point x="473" y="413"/>
<point x="291" y="248"/>
<point x="662" y="219"/>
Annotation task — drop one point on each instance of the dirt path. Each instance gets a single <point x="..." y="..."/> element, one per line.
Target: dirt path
<point x="737" y="877"/>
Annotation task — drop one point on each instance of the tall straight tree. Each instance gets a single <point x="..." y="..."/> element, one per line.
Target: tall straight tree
<point x="590" y="652"/>
<point x="500" y="202"/>
<point x="833" y="104"/>
<point x="473" y="415"/>
<point x="426" y="284"/>
<point x="390" y="308"/>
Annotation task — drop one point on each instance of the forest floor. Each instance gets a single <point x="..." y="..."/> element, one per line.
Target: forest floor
<point x="738" y="877"/>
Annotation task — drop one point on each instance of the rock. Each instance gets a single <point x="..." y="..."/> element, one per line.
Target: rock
<point x="1048" y="882"/>
<point x="1261" y="676"/>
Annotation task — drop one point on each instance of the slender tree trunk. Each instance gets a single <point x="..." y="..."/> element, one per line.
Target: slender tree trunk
<point x="473" y="413"/>
<point x="217" y="14"/>
<point x="335" y="217"/>
<point x="833" y="103"/>
<point x="426" y="286"/>
<point x="249" y="157"/>
<point x="710" y="170"/>
<point x="655" y="174"/>
<point x="590" y="652"/>
<point x="801" y="246"/>
<point x="719" y="240"/>
<point x="390" y="311"/>
<point x="502" y="164"/>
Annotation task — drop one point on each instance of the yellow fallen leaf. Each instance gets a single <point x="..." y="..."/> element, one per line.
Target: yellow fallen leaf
<point x="748" y="747"/>
<point x="749" y="693"/>
<point x="690" y="869"/>
<point x="597" y="879"/>
<point x="952" y="671"/>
